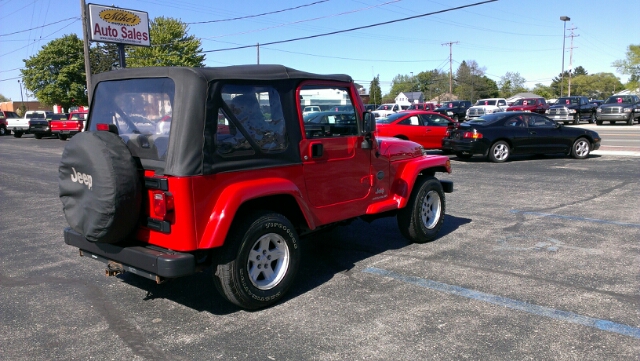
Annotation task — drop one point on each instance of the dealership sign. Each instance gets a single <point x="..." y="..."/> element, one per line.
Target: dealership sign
<point x="115" y="25"/>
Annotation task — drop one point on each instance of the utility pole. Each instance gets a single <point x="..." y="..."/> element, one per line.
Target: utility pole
<point x="450" y="65"/>
<point x="258" y="47"/>
<point x="571" y="59"/>
<point x="87" y="62"/>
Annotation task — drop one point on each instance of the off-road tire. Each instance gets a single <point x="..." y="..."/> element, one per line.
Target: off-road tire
<point x="580" y="148"/>
<point x="421" y="220"/>
<point x="260" y="241"/>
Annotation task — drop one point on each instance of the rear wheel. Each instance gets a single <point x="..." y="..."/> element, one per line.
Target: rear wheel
<point x="3" y="131"/>
<point x="499" y="152"/>
<point x="259" y="262"/>
<point x="580" y="148"/>
<point x="423" y="216"/>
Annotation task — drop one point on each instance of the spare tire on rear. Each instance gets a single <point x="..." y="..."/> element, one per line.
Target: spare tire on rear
<point x="99" y="186"/>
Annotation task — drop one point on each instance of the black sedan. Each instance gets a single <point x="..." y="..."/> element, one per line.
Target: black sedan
<point x="499" y="135"/>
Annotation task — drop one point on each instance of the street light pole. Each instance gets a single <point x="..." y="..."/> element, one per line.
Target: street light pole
<point x="21" y="97"/>
<point x="564" y="20"/>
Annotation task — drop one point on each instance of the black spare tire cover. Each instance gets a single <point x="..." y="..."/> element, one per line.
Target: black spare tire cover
<point x="99" y="186"/>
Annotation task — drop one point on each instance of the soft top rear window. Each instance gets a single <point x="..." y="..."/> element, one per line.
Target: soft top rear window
<point x="141" y="109"/>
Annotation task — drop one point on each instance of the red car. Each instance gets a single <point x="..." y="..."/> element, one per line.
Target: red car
<point x="423" y="127"/>
<point x="535" y="105"/>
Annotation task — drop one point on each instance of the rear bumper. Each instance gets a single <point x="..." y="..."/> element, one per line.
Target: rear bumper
<point x="143" y="260"/>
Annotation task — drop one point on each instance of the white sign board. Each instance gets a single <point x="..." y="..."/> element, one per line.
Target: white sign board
<point x="115" y="25"/>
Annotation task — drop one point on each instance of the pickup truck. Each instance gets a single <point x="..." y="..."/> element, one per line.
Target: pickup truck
<point x="487" y="106"/>
<point x="619" y="108"/>
<point x="572" y="109"/>
<point x="534" y="105"/>
<point x="385" y="110"/>
<point x="454" y="109"/>
<point x="5" y="118"/>
<point x="40" y="122"/>
<point x="231" y="187"/>
<point x="65" y="128"/>
<point x="18" y="126"/>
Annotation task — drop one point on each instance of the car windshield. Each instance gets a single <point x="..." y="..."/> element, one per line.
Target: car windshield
<point x="486" y="102"/>
<point x="390" y="119"/>
<point x="619" y="99"/>
<point x="35" y="116"/>
<point x="385" y="107"/>
<point x="447" y="105"/>
<point x="567" y="101"/>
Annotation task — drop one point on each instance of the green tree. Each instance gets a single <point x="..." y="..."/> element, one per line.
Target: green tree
<point x="103" y="57"/>
<point x="375" y="92"/>
<point x="55" y="75"/>
<point x="469" y="81"/>
<point x="432" y="83"/>
<point x="630" y="66"/>
<point x="597" y="86"/>
<point x="545" y="91"/>
<point x="3" y="98"/>
<point x="170" y="46"/>
<point x="486" y="88"/>
<point x="511" y="84"/>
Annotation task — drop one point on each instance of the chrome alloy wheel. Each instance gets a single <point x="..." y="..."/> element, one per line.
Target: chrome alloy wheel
<point x="431" y="209"/>
<point x="268" y="261"/>
<point x="501" y="152"/>
<point x="581" y="148"/>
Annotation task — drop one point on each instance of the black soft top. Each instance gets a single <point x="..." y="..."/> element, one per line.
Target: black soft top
<point x="236" y="72"/>
<point x="193" y="88"/>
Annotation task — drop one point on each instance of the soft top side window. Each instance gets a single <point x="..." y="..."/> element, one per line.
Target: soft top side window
<point x="251" y="120"/>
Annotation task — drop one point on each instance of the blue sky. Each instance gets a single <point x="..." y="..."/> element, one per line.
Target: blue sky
<point x="502" y="36"/>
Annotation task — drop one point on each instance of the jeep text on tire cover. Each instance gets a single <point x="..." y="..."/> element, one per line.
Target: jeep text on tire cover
<point x="183" y="168"/>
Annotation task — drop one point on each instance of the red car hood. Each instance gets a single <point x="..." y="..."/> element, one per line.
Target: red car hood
<point x="398" y="149"/>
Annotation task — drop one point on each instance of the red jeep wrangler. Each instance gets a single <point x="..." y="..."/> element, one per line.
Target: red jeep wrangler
<point x="185" y="168"/>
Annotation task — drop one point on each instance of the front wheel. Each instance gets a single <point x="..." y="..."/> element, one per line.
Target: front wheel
<point x="580" y="148"/>
<point x="630" y="120"/>
<point x="499" y="152"/>
<point x="259" y="261"/>
<point x="598" y="122"/>
<point x="592" y="119"/>
<point x="3" y="131"/>
<point x="576" y="119"/>
<point x="422" y="218"/>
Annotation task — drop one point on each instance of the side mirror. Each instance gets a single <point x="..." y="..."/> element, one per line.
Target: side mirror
<point x="369" y="125"/>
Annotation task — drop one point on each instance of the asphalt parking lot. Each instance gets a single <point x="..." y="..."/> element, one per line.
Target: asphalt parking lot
<point x="538" y="260"/>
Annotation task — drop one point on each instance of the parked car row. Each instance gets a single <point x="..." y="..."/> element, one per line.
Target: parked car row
<point x="42" y="123"/>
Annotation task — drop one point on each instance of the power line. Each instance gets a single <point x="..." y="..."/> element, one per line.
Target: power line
<point x="354" y="29"/>
<point x="257" y="15"/>
<point x="39" y="27"/>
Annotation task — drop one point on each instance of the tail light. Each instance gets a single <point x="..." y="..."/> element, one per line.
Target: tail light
<point x="163" y="205"/>
<point x="472" y="135"/>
